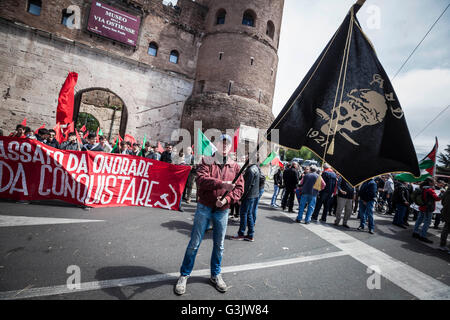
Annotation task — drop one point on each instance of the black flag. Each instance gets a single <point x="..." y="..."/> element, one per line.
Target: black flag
<point x="346" y="111"/>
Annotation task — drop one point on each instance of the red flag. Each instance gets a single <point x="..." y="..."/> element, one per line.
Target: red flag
<point x="236" y="140"/>
<point x="85" y="136"/>
<point x="83" y="128"/>
<point x="58" y="136"/>
<point x="160" y="149"/>
<point x="24" y="122"/>
<point x="120" y="139"/>
<point x="130" y="138"/>
<point x="80" y="143"/>
<point x="64" y="111"/>
<point x="41" y="127"/>
<point x="70" y="128"/>
<point x="96" y="138"/>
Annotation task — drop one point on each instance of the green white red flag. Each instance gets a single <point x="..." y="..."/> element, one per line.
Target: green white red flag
<point x="427" y="167"/>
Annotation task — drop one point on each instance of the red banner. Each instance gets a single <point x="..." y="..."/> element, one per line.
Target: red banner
<point x="30" y="170"/>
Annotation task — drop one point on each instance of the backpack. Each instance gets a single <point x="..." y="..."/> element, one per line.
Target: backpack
<point x="417" y="197"/>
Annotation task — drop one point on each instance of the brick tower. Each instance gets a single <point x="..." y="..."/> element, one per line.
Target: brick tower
<point x="237" y="65"/>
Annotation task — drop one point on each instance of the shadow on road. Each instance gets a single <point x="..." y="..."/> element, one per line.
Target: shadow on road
<point x="123" y="272"/>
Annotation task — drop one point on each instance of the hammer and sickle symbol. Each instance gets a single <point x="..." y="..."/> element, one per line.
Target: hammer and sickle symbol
<point x="164" y="197"/>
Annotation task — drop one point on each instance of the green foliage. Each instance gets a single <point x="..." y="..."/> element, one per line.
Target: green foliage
<point x="88" y="120"/>
<point x="304" y="153"/>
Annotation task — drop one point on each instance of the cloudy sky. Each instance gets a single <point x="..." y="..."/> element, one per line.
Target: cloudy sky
<point x="395" y="27"/>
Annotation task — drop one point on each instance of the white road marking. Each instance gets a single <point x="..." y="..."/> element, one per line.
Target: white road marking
<point x="98" y="285"/>
<point x="12" y="221"/>
<point x="409" y="279"/>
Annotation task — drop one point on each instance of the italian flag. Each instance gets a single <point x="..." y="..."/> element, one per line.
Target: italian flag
<point x="427" y="167"/>
<point x="273" y="159"/>
<point x="204" y="146"/>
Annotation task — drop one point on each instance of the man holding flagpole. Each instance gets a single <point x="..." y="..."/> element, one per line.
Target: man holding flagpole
<point x="214" y="178"/>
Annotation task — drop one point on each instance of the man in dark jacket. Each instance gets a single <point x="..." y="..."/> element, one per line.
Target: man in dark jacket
<point x="277" y="185"/>
<point x="344" y="201"/>
<point x="43" y="135"/>
<point x="290" y="178"/>
<point x="325" y="195"/>
<point x="400" y="200"/>
<point x="309" y="195"/>
<point x="71" y="143"/>
<point x="368" y="196"/>
<point x="249" y="201"/>
<point x="52" y="142"/>
<point x="166" y="156"/>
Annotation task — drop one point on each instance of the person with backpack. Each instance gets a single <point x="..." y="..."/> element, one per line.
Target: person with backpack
<point x="368" y="196"/>
<point x="400" y="200"/>
<point x="426" y="200"/>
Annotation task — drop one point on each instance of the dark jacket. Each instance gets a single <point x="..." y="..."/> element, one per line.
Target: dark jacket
<point x="290" y="178"/>
<point x="346" y="187"/>
<point x="251" y="185"/>
<point x="53" y="144"/>
<point x="210" y="178"/>
<point x="153" y="155"/>
<point x="401" y="193"/>
<point x="330" y="179"/>
<point x="166" y="157"/>
<point x="66" y="145"/>
<point x="368" y="191"/>
<point x="92" y="147"/>
<point x="278" y="178"/>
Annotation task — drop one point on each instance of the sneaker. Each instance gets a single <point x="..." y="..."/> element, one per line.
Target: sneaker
<point x="220" y="284"/>
<point x="371" y="232"/>
<point x="238" y="237"/>
<point x="445" y="249"/>
<point x="180" y="287"/>
<point x="346" y="226"/>
<point x="423" y="239"/>
<point x="415" y="235"/>
<point x="360" y="229"/>
<point x="298" y="221"/>
<point x="249" y="239"/>
<point x="307" y="222"/>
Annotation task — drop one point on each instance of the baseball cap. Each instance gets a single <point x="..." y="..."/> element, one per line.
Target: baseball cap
<point x="226" y="137"/>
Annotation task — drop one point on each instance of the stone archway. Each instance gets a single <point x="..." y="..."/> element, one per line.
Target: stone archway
<point x="106" y="107"/>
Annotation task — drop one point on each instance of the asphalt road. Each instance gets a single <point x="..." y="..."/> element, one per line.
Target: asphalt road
<point x="136" y="253"/>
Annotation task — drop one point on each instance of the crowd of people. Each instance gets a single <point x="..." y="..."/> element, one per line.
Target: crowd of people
<point x="318" y="192"/>
<point x="331" y="193"/>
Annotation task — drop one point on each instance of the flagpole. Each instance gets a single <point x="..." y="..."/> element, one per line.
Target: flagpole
<point x="356" y="6"/>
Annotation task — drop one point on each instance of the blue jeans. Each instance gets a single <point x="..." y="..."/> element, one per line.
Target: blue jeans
<point x="247" y="217"/>
<point x="255" y="207"/>
<point x="276" y="191"/>
<point x="325" y="199"/>
<point x="203" y="216"/>
<point x="400" y="214"/>
<point x="311" y="200"/>
<point x="424" y="217"/>
<point x="366" y="212"/>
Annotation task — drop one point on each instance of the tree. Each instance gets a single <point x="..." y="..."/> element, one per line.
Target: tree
<point x="444" y="158"/>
